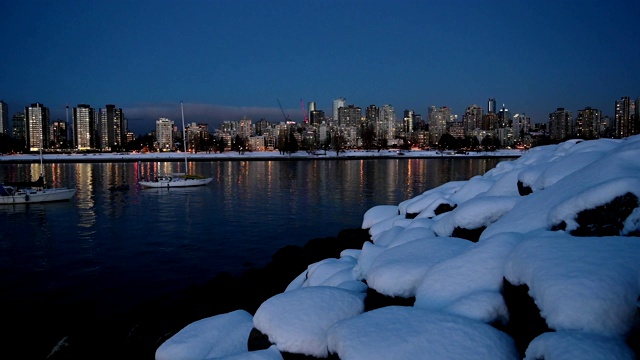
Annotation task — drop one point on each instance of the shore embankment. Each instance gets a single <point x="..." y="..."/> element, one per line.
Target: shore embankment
<point x="249" y="156"/>
<point x="137" y="333"/>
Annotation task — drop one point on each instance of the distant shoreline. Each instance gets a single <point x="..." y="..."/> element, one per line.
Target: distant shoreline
<point x="249" y="156"/>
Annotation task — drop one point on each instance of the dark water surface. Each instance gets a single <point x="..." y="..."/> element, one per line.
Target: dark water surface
<point x="114" y="249"/>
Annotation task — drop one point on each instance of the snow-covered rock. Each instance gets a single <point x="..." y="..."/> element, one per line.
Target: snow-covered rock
<point x="297" y="321"/>
<point x="216" y="336"/>
<point x="397" y="332"/>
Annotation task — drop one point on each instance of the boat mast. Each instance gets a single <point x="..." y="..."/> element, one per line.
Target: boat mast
<point x="184" y="138"/>
<point x="41" y="162"/>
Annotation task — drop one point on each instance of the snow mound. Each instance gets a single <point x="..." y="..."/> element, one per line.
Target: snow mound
<point x="398" y="271"/>
<point x="475" y="213"/>
<point x="377" y="214"/>
<point x="598" y="195"/>
<point x="396" y="332"/>
<point x="297" y="321"/>
<point x="581" y="284"/>
<point x="216" y="336"/>
<point x="571" y="345"/>
<point x="477" y="274"/>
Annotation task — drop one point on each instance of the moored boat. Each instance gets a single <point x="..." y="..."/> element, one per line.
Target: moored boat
<point x="29" y="195"/>
<point x="178" y="180"/>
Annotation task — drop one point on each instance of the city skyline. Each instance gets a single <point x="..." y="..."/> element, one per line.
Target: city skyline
<point x="227" y="60"/>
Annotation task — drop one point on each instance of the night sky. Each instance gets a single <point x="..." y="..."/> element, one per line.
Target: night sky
<point x="229" y="59"/>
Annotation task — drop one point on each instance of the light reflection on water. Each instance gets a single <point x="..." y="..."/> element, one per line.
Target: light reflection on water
<point x="117" y="248"/>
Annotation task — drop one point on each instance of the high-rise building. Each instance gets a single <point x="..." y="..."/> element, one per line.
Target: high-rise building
<point x="4" y="118"/>
<point x="19" y="128"/>
<point x="491" y="106"/>
<point x="387" y="121"/>
<point x="521" y="125"/>
<point x="112" y="128"/>
<point x="439" y="120"/>
<point x="349" y="116"/>
<point x="588" y="123"/>
<point x="337" y="104"/>
<point x="59" y="138"/>
<point x="626" y="117"/>
<point x="245" y="128"/>
<point x="164" y="134"/>
<point x="84" y="126"/>
<point x="504" y="117"/>
<point x="472" y="119"/>
<point x="489" y="122"/>
<point x="371" y="115"/>
<point x="560" y="124"/>
<point x="37" y="126"/>
<point x="316" y="117"/>
<point x="407" y="122"/>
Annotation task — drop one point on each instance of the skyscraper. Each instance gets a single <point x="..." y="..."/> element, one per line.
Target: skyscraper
<point x="626" y="117"/>
<point x="504" y="117"/>
<point x="59" y="134"/>
<point x="439" y="119"/>
<point x="560" y="124"/>
<point x="491" y="106"/>
<point x="472" y="119"/>
<point x="588" y="123"/>
<point x="19" y="128"/>
<point x="387" y="122"/>
<point x="4" y="118"/>
<point x="112" y="128"/>
<point x="407" y="122"/>
<point x="84" y="127"/>
<point x="164" y="134"/>
<point x="37" y="126"/>
<point x="521" y="125"/>
<point x="337" y="104"/>
<point x="316" y="117"/>
<point x="349" y="116"/>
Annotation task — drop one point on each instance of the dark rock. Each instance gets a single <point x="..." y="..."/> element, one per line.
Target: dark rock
<point x="562" y="226"/>
<point x="292" y="356"/>
<point x="375" y="300"/>
<point x="443" y="208"/>
<point x="525" y="322"/>
<point x="258" y="340"/>
<point x="411" y="215"/>
<point x="524" y="190"/>
<point x="607" y="219"/>
<point x="633" y="338"/>
<point x="468" y="234"/>
<point x="603" y="220"/>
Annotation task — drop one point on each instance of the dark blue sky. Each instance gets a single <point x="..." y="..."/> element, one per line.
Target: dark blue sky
<point x="228" y="59"/>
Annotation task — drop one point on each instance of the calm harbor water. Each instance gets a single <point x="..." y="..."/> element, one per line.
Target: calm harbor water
<point x="114" y="249"/>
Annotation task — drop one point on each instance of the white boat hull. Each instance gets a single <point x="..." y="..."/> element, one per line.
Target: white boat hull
<point x="170" y="182"/>
<point x="37" y="196"/>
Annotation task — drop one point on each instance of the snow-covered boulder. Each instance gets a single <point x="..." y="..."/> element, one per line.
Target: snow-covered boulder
<point x="377" y="214"/>
<point x="216" y="336"/>
<point x="470" y="283"/>
<point x="398" y="332"/>
<point x="398" y="271"/>
<point x="571" y="345"/>
<point x="580" y="284"/>
<point x="297" y="321"/>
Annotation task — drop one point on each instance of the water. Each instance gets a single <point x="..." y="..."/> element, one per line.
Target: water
<point x="115" y="249"/>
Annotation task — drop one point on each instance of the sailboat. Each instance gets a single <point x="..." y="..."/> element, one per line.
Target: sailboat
<point x="29" y="192"/>
<point x="181" y="179"/>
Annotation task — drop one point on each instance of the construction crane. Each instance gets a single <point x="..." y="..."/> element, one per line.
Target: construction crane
<point x="305" y="116"/>
<point x="286" y="118"/>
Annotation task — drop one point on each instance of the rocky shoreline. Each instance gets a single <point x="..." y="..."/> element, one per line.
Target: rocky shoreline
<point x="137" y="334"/>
